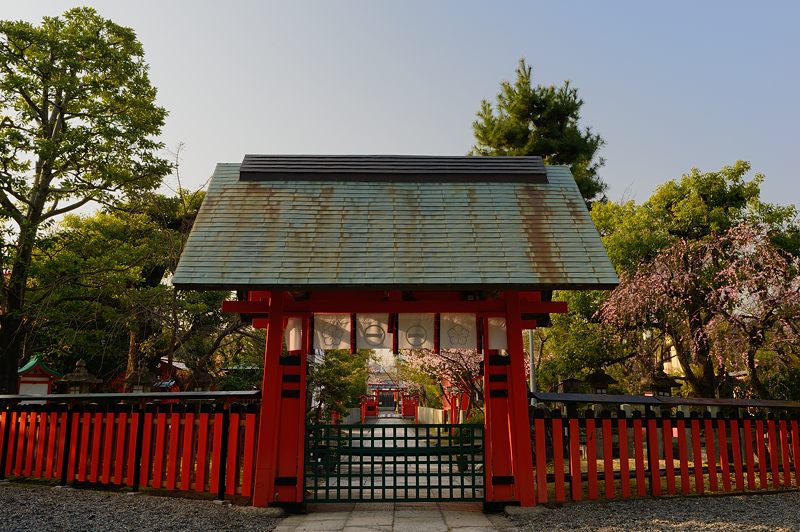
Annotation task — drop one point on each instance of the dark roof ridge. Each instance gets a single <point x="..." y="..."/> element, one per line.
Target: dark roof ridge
<point x="256" y="167"/>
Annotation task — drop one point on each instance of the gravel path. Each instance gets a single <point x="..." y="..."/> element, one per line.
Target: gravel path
<point x="770" y="512"/>
<point x="40" y="509"/>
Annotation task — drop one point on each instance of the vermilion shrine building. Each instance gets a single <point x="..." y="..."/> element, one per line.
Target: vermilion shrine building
<point x="411" y="243"/>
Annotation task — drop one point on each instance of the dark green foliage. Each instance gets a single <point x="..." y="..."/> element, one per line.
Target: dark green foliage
<point x="337" y="382"/>
<point x="538" y="120"/>
<point x="244" y="367"/>
<point x="577" y="341"/>
<point x="97" y="292"/>
<point x="78" y="124"/>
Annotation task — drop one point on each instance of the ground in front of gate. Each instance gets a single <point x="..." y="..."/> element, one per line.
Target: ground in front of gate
<point x="400" y="517"/>
<point x="37" y="508"/>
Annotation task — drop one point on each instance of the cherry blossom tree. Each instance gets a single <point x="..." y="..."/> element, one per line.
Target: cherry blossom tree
<point x="461" y="367"/>
<point x="758" y="295"/>
<point x="717" y="301"/>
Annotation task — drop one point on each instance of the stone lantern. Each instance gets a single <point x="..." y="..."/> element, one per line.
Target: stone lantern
<point x="141" y="380"/>
<point x="599" y="381"/>
<point x="570" y="385"/>
<point x="80" y="380"/>
<point x="659" y="384"/>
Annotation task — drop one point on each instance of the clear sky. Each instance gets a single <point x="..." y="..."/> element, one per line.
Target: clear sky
<point x="669" y="86"/>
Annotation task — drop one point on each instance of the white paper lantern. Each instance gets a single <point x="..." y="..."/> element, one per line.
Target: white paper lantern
<point x="293" y="335"/>
<point x="498" y="339"/>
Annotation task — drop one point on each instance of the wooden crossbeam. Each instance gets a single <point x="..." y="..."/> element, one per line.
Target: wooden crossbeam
<point x="346" y="305"/>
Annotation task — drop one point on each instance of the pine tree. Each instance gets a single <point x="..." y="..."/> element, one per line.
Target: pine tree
<point x="538" y="120"/>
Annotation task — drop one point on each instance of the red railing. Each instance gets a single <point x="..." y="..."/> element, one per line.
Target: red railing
<point x="204" y="443"/>
<point x="655" y="450"/>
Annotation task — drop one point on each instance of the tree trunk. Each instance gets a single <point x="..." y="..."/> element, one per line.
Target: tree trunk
<point x="11" y="335"/>
<point x="12" y="322"/>
<point x="133" y="353"/>
<point x="706" y="385"/>
<point x="752" y="372"/>
<point x="685" y="359"/>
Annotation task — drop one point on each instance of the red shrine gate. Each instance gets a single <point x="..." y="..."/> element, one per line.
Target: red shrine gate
<point x="481" y="237"/>
<point x="508" y="456"/>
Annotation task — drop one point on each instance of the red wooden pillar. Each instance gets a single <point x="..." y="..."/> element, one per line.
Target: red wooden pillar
<point x="521" y="450"/>
<point x="453" y="408"/>
<point x="281" y="431"/>
<point x="509" y="458"/>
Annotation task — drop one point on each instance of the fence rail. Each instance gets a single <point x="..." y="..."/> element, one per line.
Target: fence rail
<point x="662" y="401"/>
<point x="239" y="396"/>
<point x="204" y="443"/>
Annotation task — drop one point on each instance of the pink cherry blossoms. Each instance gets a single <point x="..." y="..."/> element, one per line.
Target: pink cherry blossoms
<point x="718" y="302"/>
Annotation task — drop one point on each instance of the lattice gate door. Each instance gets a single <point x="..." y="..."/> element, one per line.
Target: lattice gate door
<point x="394" y="462"/>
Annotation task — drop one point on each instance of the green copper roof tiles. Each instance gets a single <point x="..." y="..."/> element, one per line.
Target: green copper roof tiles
<point x="36" y="360"/>
<point x="300" y="232"/>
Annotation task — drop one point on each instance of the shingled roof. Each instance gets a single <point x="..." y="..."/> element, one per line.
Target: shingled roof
<point x="393" y="222"/>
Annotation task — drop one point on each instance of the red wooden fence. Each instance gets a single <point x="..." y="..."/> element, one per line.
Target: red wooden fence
<point x="204" y="443"/>
<point x="619" y="457"/>
<point x="207" y="447"/>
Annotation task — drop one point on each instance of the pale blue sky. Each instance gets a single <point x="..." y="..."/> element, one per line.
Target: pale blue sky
<point x="668" y="86"/>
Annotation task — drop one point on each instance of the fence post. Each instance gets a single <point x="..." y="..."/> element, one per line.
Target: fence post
<point x="137" y="451"/>
<point x="223" y="452"/>
<point x="4" y="449"/>
<point x="651" y="439"/>
<point x="65" y="450"/>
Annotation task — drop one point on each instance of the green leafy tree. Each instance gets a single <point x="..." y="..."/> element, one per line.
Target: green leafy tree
<point x="83" y="302"/>
<point x="538" y="120"/>
<point x="697" y="207"/>
<point x="243" y="356"/>
<point x="578" y="341"/>
<point x="78" y="124"/>
<point x="419" y="382"/>
<point x="337" y="382"/>
<point x="113" y="307"/>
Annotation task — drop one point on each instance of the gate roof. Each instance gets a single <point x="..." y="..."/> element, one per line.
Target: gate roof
<point x="286" y="222"/>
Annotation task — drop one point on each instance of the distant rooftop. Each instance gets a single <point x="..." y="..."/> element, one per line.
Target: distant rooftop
<point x="402" y="222"/>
